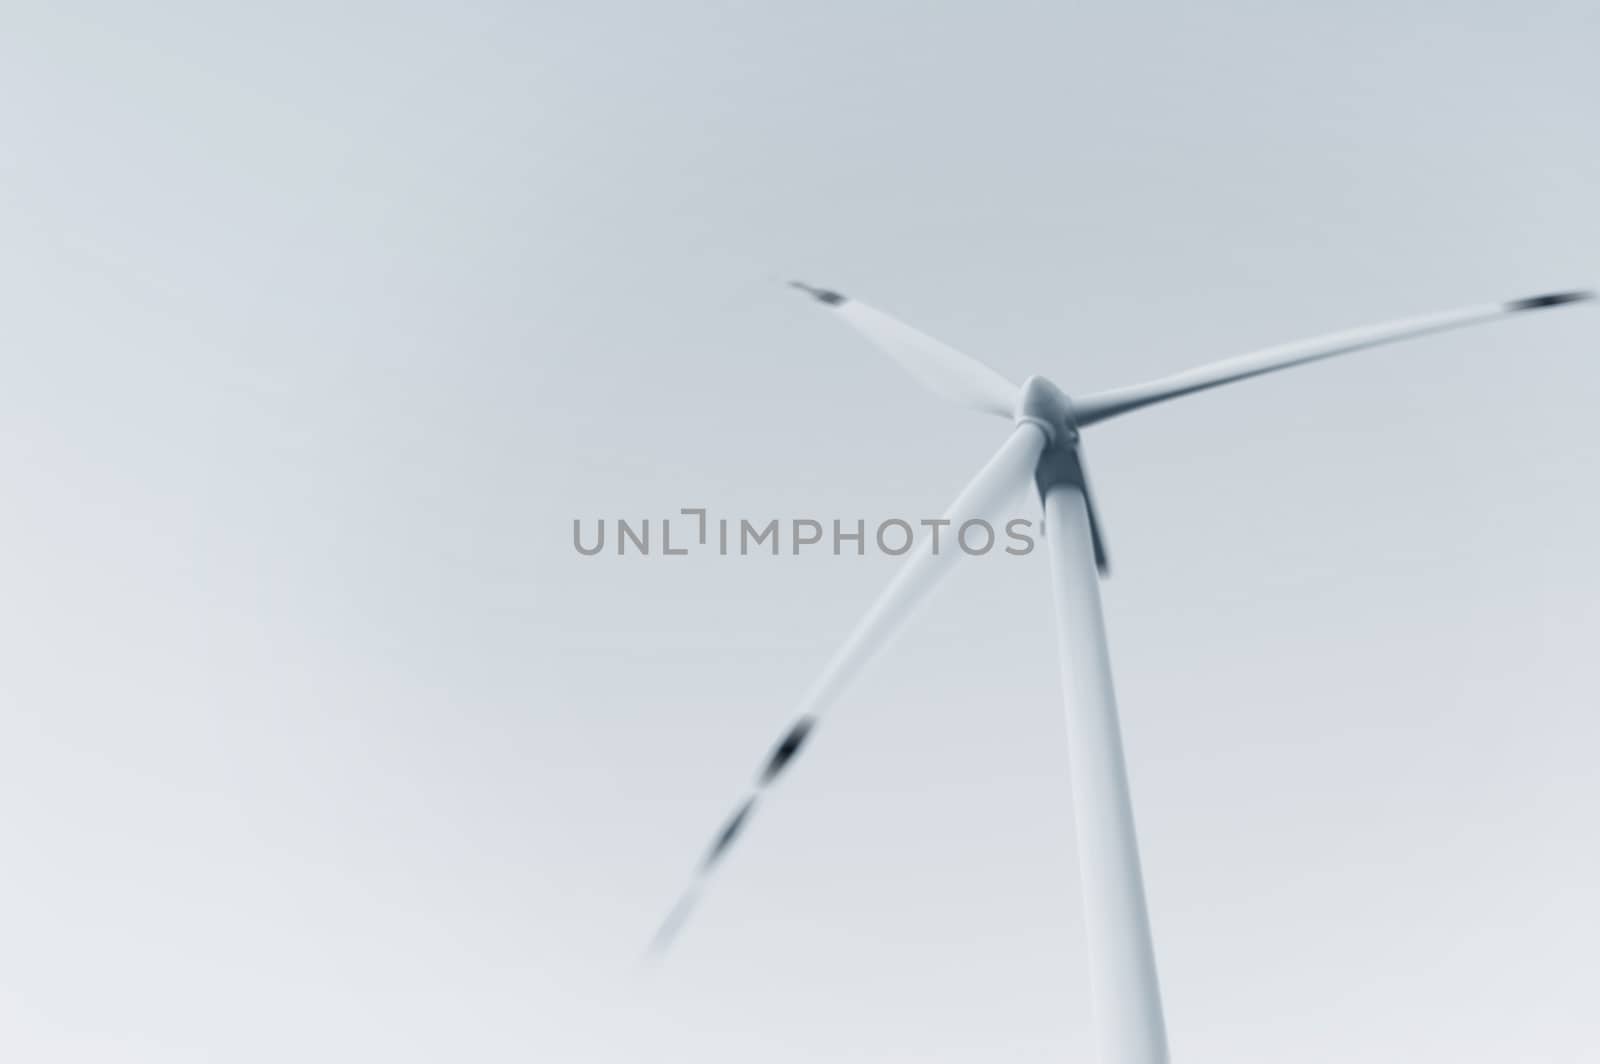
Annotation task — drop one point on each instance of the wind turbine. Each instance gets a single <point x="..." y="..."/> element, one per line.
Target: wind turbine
<point x="1044" y="446"/>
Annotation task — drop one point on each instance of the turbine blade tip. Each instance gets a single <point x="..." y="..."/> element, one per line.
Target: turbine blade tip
<point x="787" y="748"/>
<point x="1552" y="299"/>
<point x="821" y="295"/>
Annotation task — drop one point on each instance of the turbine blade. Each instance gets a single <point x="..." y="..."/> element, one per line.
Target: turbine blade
<point x="938" y="367"/>
<point x="1102" y="405"/>
<point x="987" y="496"/>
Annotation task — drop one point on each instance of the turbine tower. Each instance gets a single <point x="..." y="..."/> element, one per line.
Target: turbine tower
<point x="1044" y="446"/>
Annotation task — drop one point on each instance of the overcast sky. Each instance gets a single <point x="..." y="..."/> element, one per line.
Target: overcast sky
<point x="319" y="741"/>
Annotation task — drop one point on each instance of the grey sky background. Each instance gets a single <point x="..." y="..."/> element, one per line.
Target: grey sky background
<point x="318" y="740"/>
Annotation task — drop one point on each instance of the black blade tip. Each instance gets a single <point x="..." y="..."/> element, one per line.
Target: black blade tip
<point x="1553" y="299"/>
<point x="786" y="749"/>
<point x="729" y="832"/>
<point x="821" y="295"/>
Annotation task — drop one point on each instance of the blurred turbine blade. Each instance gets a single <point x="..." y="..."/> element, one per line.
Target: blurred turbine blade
<point x="1101" y="405"/>
<point x="939" y="367"/>
<point x="988" y="496"/>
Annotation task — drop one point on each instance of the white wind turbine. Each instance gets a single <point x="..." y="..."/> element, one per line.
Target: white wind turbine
<point x="1044" y="446"/>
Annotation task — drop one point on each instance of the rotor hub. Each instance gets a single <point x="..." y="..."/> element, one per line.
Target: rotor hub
<point x="1043" y="404"/>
